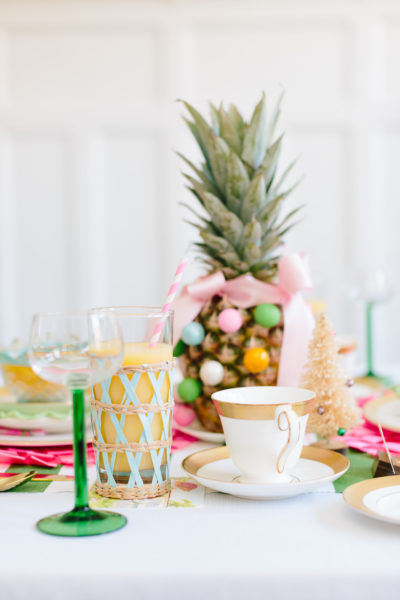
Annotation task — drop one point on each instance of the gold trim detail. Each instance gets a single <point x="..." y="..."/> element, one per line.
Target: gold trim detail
<point x="371" y="410"/>
<point x="260" y="412"/>
<point x="354" y="494"/>
<point x="337" y="462"/>
<point x="286" y="446"/>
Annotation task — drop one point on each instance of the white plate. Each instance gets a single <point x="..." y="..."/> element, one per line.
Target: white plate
<point x="44" y="423"/>
<point x="214" y="469"/>
<point x="376" y="498"/>
<point x="197" y="430"/>
<point x="37" y="441"/>
<point x="384" y="410"/>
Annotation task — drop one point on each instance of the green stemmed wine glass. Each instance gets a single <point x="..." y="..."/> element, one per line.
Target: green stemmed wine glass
<point x="77" y="350"/>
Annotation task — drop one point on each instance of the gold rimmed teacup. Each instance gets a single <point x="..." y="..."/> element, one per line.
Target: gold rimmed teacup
<point x="264" y="429"/>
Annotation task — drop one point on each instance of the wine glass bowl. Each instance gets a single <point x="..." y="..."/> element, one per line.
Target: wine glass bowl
<point x="372" y="287"/>
<point x="77" y="350"/>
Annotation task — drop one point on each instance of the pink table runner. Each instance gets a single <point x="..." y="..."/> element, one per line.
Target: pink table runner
<point x="53" y="456"/>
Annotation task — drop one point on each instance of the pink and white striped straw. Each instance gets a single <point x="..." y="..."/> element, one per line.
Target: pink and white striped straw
<point x="170" y="298"/>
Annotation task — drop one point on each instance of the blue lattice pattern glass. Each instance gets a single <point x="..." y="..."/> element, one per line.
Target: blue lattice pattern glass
<point x="132" y="411"/>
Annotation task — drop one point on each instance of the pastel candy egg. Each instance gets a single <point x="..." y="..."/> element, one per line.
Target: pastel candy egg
<point x="212" y="372"/>
<point x="230" y="320"/>
<point x="193" y="334"/>
<point x="267" y="315"/>
<point x="256" y="359"/>
<point x="184" y="415"/>
<point x="189" y="389"/>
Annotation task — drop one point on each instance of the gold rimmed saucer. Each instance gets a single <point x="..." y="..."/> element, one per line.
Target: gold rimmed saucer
<point x="214" y="469"/>
<point x="384" y="410"/>
<point x="377" y="498"/>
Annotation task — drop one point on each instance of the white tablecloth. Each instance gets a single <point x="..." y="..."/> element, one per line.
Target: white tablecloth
<point x="312" y="547"/>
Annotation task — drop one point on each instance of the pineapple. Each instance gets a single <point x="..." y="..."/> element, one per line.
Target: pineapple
<point x="237" y="188"/>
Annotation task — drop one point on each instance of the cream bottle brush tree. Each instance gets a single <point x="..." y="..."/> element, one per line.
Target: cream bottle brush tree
<point x="334" y="411"/>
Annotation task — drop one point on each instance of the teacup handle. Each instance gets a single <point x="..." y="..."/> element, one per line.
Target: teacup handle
<point x="287" y="420"/>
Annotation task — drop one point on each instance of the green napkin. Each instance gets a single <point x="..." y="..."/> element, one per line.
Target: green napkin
<point x="362" y="466"/>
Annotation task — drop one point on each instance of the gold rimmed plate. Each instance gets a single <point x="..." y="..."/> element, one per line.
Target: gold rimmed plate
<point x="376" y="498"/>
<point x="384" y="410"/>
<point x="316" y="467"/>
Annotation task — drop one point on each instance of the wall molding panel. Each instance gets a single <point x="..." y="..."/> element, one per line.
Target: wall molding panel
<point x="89" y="124"/>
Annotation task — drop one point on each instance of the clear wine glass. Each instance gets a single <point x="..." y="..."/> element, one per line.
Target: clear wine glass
<point x="373" y="287"/>
<point x="77" y="350"/>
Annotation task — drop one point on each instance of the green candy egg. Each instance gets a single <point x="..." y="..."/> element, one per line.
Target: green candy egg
<point x="267" y="315"/>
<point x="179" y="348"/>
<point x="189" y="389"/>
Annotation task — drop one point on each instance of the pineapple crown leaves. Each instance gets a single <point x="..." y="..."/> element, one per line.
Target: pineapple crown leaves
<point x="237" y="188"/>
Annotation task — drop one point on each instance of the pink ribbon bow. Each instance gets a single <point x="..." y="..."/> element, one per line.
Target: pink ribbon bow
<point x="246" y="291"/>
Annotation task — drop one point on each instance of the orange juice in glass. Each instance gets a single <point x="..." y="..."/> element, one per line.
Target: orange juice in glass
<point x="132" y="411"/>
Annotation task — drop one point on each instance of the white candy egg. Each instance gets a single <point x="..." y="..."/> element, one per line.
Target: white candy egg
<point x="212" y="372"/>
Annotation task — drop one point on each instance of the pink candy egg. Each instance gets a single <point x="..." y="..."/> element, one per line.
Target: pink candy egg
<point x="184" y="415"/>
<point x="230" y="320"/>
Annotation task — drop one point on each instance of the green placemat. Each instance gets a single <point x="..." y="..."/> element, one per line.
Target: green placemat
<point x="362" y="466"/>
<point x="33" y="486"/>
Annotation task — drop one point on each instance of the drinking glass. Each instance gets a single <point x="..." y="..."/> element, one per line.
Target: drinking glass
<point x="132" y="410"/>
<point x="77" y="350"/>
<point x="374" y="287"/>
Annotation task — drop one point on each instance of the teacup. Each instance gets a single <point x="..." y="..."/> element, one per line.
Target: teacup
<point x="264" y="429"/>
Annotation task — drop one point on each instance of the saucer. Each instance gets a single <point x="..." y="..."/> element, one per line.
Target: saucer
<point x="214" y="469"/>
<point x="376" y="498"/>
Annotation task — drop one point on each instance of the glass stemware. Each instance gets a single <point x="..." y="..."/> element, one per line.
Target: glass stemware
<point x="374" y="287"/>
<point x="77" y="350"/>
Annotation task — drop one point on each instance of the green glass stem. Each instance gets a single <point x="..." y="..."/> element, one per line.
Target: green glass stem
<point x="81" y="486"/>
<point x="82" y="520"/>
<point x="369" y="324"/>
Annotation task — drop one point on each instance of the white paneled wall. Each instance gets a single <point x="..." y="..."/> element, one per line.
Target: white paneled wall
<point x="90" y="186"/>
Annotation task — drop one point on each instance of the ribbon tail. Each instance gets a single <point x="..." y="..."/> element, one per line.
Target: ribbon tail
<point x="185" y="309"/>
<point x="299" y="325"/>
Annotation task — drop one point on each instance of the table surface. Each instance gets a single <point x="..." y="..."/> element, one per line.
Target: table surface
<point x="312" y="546"/>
